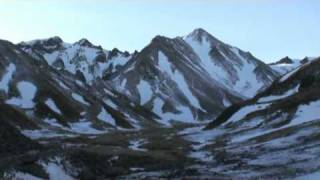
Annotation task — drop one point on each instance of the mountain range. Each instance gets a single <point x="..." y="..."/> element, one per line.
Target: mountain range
<point x="192" y="103"/>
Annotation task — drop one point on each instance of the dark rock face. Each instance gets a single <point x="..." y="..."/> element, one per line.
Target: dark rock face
<point x="48" y="45"/>
<point x="12" y="142"/>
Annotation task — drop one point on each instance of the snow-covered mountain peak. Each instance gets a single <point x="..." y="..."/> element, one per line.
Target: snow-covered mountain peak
<point x="202" y="36"/>
<point x="230" y="65"/>
<point x="83" y="58"/>
<point x="86" y="43"/>
<point x="174" y="76"/>
<point x="199" y="32"/>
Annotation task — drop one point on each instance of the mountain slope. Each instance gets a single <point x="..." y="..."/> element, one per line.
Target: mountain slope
<point x="187" y="79"/>
<point x="236" y="69"/>
<point x="285" y="95"/>
<point x="51" y="102"/>
<point x="279" y="127"/>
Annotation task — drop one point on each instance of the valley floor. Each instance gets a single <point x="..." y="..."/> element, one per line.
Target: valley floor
<point x="179" y="152"/>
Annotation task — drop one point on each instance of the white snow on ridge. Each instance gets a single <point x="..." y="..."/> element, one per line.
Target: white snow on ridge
<point x="123" y="84"/>
<point x="106" y="117"/>
<point x="135" y="145"/>
<point x="43" y="133"/>
<point x="202" y="50"/>
<point x="55" y="170"/>
<point x="176" y="76"/>
<point x="288" y="75"/>
<point x="311" y="176"/>
<point x="53" y="122"/>
<point x="52" y="105"/>
<point x="84" y="127"/>
<point x="247" y="84"/>
<point x="119" y="60"/>
<point x="23" y="176"/>
<point x="243" y="112"/>
<point x="4" y="83"/>
<point x="63" y="85"/>
<point x="79" y="98"/>
<point x="110" y="103"/>
<point x="145" y="91"/>
<point x="86" y="56"/>
<point x="226" y="102"/>
<point x="305" y="113"/>
<point x="286" y="67"/>
<point x="278" y="97"/>
<point x="27" y="91"/>
<point x="185" y="114"/>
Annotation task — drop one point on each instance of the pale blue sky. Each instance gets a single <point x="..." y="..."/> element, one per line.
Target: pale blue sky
<point x="270" y="29"/>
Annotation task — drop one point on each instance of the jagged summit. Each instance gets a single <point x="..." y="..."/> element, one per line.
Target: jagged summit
<point x="85" y="42"/>
<point x="54" y="40"/>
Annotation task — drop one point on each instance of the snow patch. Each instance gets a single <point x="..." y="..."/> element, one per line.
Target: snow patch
<point x="84" y="127"/>
<point x="56" y="171"/>
<point x="43" y="133"/>
<point x="304" y="114"/>
<point x="135" y="145"/>
<point x="63" y="85"/>
<point x="110" y="103"/>
<point x="239" y="115"/>
<point x="23" y="176"/>
<point x="145" y="91"/>
<point x="27" y="91"/>
<point x="226" y="102"/>
<point x="202" y="49"/>
<point x="52" y="105"/>
<point x="247" y="83"/>
<point x="185" y="114"/>
<point x="176" y="76"/>
<point x="53" y="122"/>
<point x="291" y="73"/>
<point x="4" y="83"/>
<point x="277" y="97"/>
<point x="106" y="117"/>
<point x="79" y="98"/>
<point x="311" y="176"/>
